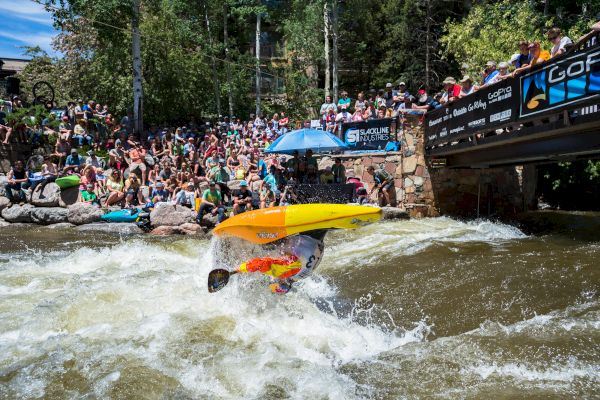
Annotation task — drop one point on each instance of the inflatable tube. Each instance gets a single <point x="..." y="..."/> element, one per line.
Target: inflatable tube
<point x="122" y="215"/>
<point x="68" y="181"/>
<point x="271" y="224"/>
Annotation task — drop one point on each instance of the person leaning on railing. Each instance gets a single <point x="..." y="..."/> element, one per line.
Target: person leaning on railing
<point x="559" y="42"/>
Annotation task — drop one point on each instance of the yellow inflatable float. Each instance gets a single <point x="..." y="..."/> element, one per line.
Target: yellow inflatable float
<point x="271" y="224"/>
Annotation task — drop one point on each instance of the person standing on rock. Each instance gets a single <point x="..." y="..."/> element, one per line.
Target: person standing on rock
<point x="17" y="180"/>
<point x="384" y="183"/>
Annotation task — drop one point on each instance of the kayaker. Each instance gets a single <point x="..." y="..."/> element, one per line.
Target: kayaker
<point x="301" y="254"/>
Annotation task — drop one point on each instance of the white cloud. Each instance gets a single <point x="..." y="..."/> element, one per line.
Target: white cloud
<point x="26" y="9"/>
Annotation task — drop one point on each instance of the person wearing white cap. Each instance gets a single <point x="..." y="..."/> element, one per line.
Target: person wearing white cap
<point x="489" y="73"/>
<point x="452" y="90"/>
<point x="467" y="87"/>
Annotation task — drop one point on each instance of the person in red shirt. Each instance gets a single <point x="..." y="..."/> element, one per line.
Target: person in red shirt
<point x="137" y="156"/>
<point x="452" y="90"/>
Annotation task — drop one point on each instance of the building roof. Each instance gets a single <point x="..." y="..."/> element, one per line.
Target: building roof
<point x="14" y="64"/>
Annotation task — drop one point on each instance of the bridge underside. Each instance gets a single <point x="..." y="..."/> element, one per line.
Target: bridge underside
<point x="567" y="136"/>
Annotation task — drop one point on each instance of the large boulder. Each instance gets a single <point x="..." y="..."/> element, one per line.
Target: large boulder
<point x="185" y="229"/>
<point x="209" y="220"/>
<point x="83" y="213"/>
<point x="3" y="180"/>
<point x="111" y="227"/>
<point x="49" y="215"/>
<point x="394" y="213"/>
<point x="18" y="213"/>
<point x="4" y="202"/>
<point x="68" y="196"/>
<point x="166" y="214"/>
<point x="49" y="197"/>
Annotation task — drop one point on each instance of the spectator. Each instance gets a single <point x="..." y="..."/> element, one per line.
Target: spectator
<point x="537" y="57"/>
<point x="559" y="42"/>
<point x="503" y="71"/>
<point x="114" y="185"/>
<point x="489" y="73"/>
<point x="325" y="108"/>
<point x="211" y="202"/>
<point x="18" y="181"/>
<point x="327" y="176"/>
<point x="80" y="134"/>
<point x="425" y="102"/>
<point x="344" y="100"/>
<point x="160" y="194"/>
<point x="60" y="150"/>
<point x="343" y="117"/>
<point x="467" y="87"/>
<point x="388" y="96"/>
<point x="72" y="162"/>
<point x="267" y="196"/>
<point x="133" y="194"/>
<point x="88" y="195"/>
<point x="339" y="171"/>
<point x="402" y="91"/>
<point x="186" y="197"/>
<point x="137" y="154"/>
<point x="242" y="201"/>
<point x="93" y="160"/>
<point x="360" y="104"/>
<point x="452" y="90"/>
<point x="523" y="57"/>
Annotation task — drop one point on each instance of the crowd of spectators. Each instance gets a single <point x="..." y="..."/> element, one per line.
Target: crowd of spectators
<point x="192" y="164"/>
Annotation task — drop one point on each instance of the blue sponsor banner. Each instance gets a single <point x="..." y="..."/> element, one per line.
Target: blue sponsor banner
<point x="566" y="81"/>
<point x="368" y="135"/>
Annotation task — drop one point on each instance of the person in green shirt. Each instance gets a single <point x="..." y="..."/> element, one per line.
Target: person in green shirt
<point x="88" y="196"/>
<point x="384" y="182"/>
<point x="339" y="171"/>
<point x="221" y="175"/>
<point x="212" y="203"/>
<point x="327" y="176"/>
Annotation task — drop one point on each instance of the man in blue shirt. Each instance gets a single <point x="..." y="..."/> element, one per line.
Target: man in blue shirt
<point x="73" y="161"/>
<point x="490" y="73"/>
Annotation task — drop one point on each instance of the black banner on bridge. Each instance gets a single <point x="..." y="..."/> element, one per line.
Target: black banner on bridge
<point x="485" y="109"/>
<point x="368" y="135"/>
<point x="570" y="80"/>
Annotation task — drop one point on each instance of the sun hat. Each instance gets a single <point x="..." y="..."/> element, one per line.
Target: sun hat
<point x="449" y="81"/>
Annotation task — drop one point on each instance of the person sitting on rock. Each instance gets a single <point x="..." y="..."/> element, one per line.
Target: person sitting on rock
<point x="211" y="202"/>
<point x="186" y="197"/>
<point x="242" y="201"/>
<point x="17" y="180"/>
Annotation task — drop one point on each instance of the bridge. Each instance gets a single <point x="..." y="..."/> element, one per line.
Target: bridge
<point x="550" y="113"/>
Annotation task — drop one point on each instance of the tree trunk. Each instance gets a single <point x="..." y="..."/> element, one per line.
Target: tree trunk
<point x="546" y="7"/>
<point x="335" y="50"/>
<point x="327" y="62"/>
<point x="138" y="93"/>
<point x="227" y="66"/>
<point x="213" y="63"/>
<point x="258" y="64"/>
<point x="428" y="19"/>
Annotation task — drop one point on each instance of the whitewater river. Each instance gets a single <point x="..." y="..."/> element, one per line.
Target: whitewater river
<point x="432" y="308"/>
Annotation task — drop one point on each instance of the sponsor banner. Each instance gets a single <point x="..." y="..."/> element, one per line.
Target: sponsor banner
<point x="368" y="135"/>
<point x="557" y="84"/>
<point x="485" y="109"/>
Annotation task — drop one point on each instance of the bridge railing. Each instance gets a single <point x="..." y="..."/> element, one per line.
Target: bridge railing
<point x="563" y="88"/>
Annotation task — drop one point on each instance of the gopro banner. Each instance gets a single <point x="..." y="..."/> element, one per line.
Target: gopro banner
<point x="485" y="109"/>
<point x="557" y="84"/>
<point x="368" y="135"/>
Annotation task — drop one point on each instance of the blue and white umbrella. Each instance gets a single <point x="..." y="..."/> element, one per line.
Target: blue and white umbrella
<point x="302" y="140"/>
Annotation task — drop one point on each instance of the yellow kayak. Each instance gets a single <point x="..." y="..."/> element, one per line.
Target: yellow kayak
<point x="271" y="224"/>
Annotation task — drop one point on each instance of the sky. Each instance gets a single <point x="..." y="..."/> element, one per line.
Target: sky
<point x="24" y="23"/>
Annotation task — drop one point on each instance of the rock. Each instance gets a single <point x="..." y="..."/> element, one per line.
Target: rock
<point x="166" y="214"/>
<point x="4" y="202"/>
<point x="112" y="227"/>
<point x="409" y="164"/>
<point x="410" y="140"/>
<point x="3" y="223"/>
<point x="167" y="230"/>
<point x="192" y="228"/>
<point x="18" y="213"/>
<point x="60" y="225"/>
<point x="3" y="180"/>
<point x="233" y="185"/>
<point x="418" y="180"/>
<point x="68" y="196"/>
<point x="145" y="191"/>
<point x="49" y="215"/>
<point x="325" y="162"/>
<point x="83" y="213"/>
<point x="393" y="159"/>
<point x="408" y="182"/>
<point x="209" y="220"/>
<point x="393" y="213"/>
<point x="48" y="198"/>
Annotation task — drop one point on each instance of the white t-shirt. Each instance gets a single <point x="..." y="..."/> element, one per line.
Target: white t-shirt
<point x="560" y="46"/>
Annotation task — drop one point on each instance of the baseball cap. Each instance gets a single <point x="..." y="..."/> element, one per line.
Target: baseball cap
<point x="388" y="85"/>
<point x="243" y="183"/>
<point x="421" y="92"/>
<point x="402" y="84"/>
<point x="490" y="64"/>
<point x="73" y="151"/>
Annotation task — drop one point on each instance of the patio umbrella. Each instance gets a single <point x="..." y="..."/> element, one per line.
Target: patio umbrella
<point x="305" y="139"/>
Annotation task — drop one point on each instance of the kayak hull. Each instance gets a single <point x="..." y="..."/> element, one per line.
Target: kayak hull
<point x="121" y="216"/>
<point x="271" y="224"/>
<point x="68" y="181"/>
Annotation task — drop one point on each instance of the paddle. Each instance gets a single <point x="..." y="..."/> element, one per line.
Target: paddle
<point x="218" y="279"/>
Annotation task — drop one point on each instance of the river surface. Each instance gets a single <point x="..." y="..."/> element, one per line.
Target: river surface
<point x="432" y="308"/>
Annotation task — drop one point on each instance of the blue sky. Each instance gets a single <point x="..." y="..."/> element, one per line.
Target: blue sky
<point x="24" y="23"/>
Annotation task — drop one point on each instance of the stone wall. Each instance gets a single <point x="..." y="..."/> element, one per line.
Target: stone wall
<point x="427" y="192"/>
